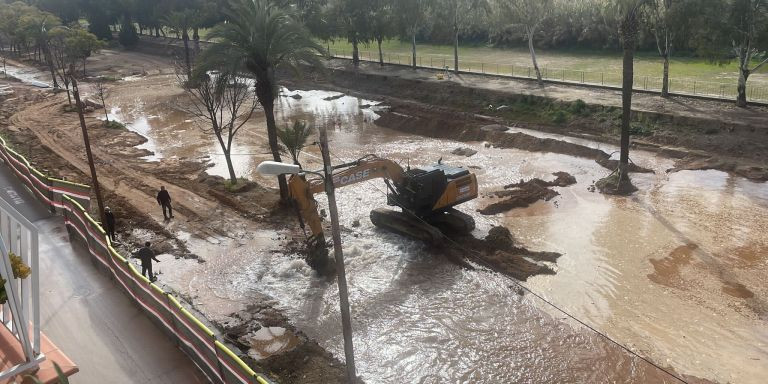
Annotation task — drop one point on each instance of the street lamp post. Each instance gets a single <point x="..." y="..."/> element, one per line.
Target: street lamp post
<point x="276" y="168"/>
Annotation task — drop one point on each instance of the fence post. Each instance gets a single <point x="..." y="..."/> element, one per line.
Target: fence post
<point x="430" y="62"/>
<point x="582" y="77"/>
<point x="602" y="78"/>
<point x="513" y="70"/>
<point x="443" y="62"/>
<point x="645" y="86"/>
<point x="497" y="69"/>
<point x="563" y="74"/>
<point x="482" y="67"/>
<point x="529" y="72"/>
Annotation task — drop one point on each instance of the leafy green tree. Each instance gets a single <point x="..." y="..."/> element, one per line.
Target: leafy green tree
<point x="353" y="21"/>
<point x="83" y="44"/>
<point x="128" y="37"/>
<point x="262" y="36"/>
<point x="461" y="14"/>
<point x="180" y="23"/>
<point x="749" y="40"/>
<point x="670" y="20"/>
<point x="382" y="23"/>
<point x="412" y="15"/>
<point x="528" y="14"/>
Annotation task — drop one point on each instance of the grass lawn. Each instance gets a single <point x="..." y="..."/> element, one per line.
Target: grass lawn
<point x="646" y="63"/>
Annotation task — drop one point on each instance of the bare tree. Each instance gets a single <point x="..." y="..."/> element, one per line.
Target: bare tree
<point x="669" y="20"/>
<point x="222" y="100"/>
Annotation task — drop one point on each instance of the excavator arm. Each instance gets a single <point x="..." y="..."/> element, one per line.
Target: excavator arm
<point x="367" y="168"/>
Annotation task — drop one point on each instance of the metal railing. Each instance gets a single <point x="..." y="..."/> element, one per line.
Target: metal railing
<point x="720" y="90"/>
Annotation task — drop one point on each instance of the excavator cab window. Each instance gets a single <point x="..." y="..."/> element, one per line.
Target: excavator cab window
<point x="420" y="189"/>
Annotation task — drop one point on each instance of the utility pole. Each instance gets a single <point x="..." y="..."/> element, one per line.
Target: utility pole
<point x="87" y="143"/>
<point x="346" y="322"/>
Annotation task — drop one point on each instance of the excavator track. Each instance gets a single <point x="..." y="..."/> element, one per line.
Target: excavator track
<point x="407" y="225"/>
<point x="452" y="222"/>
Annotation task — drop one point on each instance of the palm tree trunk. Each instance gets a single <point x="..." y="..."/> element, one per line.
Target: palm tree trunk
<point x="413" y="49"/>
<point x="456" y="49"/>
<point x="269" y="111"/>
<point x="381" y="55"/>
<point x="529" y="32"/>
<point x="626" y="107"/>
<point x="665" y="79"/>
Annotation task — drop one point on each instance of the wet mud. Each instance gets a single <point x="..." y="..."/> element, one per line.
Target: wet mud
<point x="667" y="271"/>
<point x="270" y="341"/>
<point x="441" y="123"/>
<point x="499" y="252"/>
<point x="525" y="193"/>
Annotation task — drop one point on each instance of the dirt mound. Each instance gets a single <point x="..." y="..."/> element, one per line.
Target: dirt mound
<point x="499" y="252"/>
<point x="468" y="152"/>
<point x="525" y="193"/>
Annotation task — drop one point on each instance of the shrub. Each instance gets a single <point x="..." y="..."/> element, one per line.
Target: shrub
<point x="638" y="129"/>
<point x="578" y="107"/>
<point x="559" y="117"/>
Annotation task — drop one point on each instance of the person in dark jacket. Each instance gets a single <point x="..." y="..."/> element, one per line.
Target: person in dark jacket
<point x="164" y="200"/>
<point x="146" y="256"/>
<point x="109" y="220"/>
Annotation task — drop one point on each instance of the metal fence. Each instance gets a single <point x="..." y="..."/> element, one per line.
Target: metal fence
<point x="719" y="90"/>
<point x="215" y="359"/>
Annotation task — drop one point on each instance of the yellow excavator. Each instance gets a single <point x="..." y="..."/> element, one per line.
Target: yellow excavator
<point x="427" y="197"/>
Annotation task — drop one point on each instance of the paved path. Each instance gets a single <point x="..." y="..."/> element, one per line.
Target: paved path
<point x="85" y="314"/>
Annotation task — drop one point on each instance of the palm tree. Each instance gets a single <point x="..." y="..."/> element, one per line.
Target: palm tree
<point x="628" y="30"/>
<point x="262" y="36"/>
<point x="294" y="138"/>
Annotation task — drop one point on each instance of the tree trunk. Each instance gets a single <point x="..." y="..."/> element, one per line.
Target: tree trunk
<point x="266" y="98"/>
<point x="626" y="107"/>
<point x="456" y="50"/>
<point x="741" y="99"/>
<point x="533" y="56"/>
<point x="665" y="79"/>
<point x="196" y="38"/>
<point x="413" y="50"/>
<point x="185" y="37"/>
<point x="84" y="74"/>
<point x="230" y="167"/>
<point x="157" y="31"/>
<point x="381" y="55"/>
<point x="69" y="98"/>
<point x="355" y="53"/>
<point x="49" y="61"/>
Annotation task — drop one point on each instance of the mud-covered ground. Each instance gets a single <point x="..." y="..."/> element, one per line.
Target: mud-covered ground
<point x="229" y="228"/>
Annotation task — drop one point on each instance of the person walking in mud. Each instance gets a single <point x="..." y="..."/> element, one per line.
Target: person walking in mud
<point x="146" y="256"/>
<point x="164" y="200"/>
<point x="109" y="221"/>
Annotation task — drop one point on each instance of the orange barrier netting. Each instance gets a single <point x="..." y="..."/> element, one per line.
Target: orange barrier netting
<point x="218" y="362"/>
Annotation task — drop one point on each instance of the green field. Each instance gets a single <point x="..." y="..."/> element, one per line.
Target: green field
<point x="646" y="63"/>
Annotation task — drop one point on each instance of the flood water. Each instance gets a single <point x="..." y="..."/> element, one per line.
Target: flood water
<point x="676" y="272"/>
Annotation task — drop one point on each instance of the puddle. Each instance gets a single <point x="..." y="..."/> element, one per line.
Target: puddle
<point x="667" y="270"/>
<point x="737" y="290"/>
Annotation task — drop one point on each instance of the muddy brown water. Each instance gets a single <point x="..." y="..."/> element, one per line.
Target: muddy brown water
<point x="676" y="272"/>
